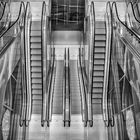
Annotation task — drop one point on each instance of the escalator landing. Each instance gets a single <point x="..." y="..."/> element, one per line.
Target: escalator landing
<point x="75" y="132"/>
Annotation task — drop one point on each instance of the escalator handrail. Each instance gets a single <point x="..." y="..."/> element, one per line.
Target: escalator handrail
<point x="83" y="96"/>
<point x="3" y="10"/>
<point x="114" y="9"/>
<point x="6" y="46"/>
<point x="91" y="60"/>
<point x="65" y="84"/>
<point x="43" y="68"/>
<point x="130" y="10"/>
<point x="22" y="6"/>
<point x="109" y="41"/>
<point x="27" y="25"/>
<point x="69" y="91"/>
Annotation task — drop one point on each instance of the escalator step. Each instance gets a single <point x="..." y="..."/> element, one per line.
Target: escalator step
<point x="35" y="45"/>
<point x="98" y="85"/>
<point x="97" y="96"/>
<point x="37" y="75"/>
<point x="35" y="58"/>
<point x="36" y="81"/>
<point x="100" y="24"/>
<point x="97" y="90"/>
<point x="36" y="91"/>
<point x="35" y="39"/>
<point x="100" y="31"/>
<point x="37" y="86"/>
<point x="99" y="56"/>
<point x="98" y="62"/>
<point x="99" y="67"/>
<point x="36" y="33"/>
<point x="36" y="25"/>
<point x="100" y="44"/>
<point x="98" y="73"/>
<point x="99" y="50"/>
<point x="96" y="101"/>
<point x="36" y="69"/>
<point x="100" y="37"/>
<point x="35" y="51"/>
<point x="98" y="79"/>
<point x="97" y="109"/>
<point x="36" y="63"/>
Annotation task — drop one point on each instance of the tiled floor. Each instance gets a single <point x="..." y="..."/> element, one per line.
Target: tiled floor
<point x="56" y="131"/>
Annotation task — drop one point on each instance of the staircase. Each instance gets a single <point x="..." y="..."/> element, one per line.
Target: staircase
<point x="99" y="60"/>
<point x="36" y="81"/>
<point x="58" y="91"/>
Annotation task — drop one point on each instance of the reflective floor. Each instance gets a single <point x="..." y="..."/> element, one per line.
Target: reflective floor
<point x="76" y="131"/>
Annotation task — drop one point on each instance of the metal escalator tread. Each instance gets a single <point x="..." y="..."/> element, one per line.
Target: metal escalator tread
<point x="98" y="73"/>
<point x="36" y="75"/>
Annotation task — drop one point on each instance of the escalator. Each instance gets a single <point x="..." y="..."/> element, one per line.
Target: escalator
<point x="99" y="66"/>
<point x="12" y="60"/>
<point x="121" y="100"/>
<point x="75" y="89"/>
<point x="58" y="90"/>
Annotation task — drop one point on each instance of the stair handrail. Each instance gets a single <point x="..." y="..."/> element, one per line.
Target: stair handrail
<point x="132" y="21"/>
<point x="125" y="33"/>
<point x="109" y="39"/>
<point x="28" y="19"/>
